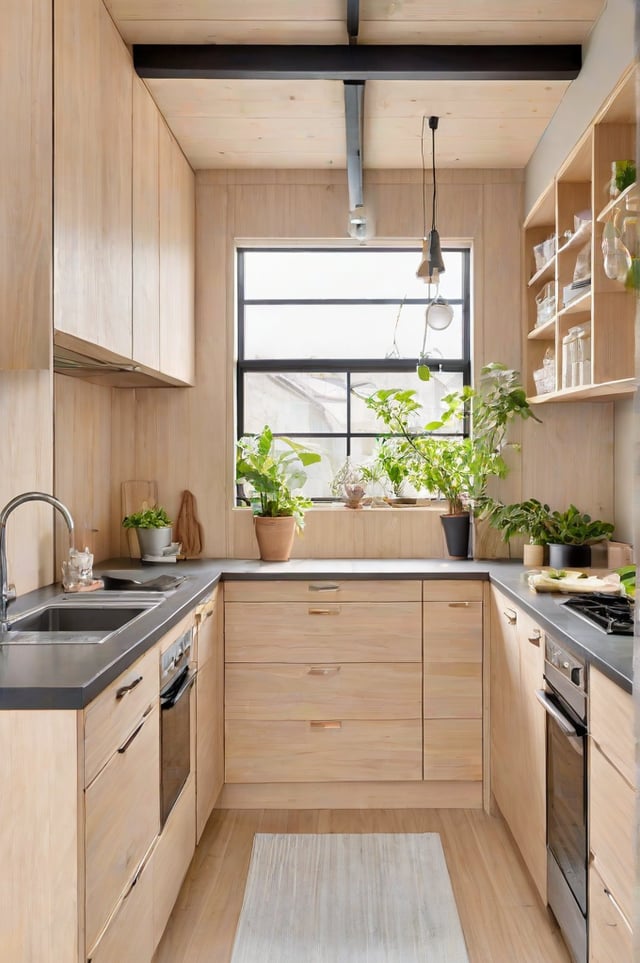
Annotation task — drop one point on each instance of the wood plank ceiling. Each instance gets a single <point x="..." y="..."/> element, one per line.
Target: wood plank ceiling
<point x="287" y="124"/>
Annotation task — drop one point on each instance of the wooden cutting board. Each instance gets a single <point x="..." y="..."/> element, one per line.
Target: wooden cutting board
<point x="133" y="496"/>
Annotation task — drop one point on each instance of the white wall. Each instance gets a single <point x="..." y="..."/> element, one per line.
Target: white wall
<point x="606" y="55"/>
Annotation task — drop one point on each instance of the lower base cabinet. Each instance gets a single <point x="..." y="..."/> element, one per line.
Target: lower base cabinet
<point x="129" y="935"/>
<point x="171" y="857"/>
<point x="610" y="937"/>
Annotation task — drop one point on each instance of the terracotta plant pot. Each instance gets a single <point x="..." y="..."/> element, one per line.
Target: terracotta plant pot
<point x="456" y="533"/>
<point x="275" y="537"/>
<point x="533" y="555"/>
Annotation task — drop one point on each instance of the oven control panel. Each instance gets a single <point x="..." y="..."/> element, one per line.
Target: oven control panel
<point x="571" y="666"/>
<point x="176" y="657"/>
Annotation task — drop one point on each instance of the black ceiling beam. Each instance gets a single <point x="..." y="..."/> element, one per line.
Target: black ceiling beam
<point x="353" y="20"/>
<point x="354" y="121"/>
<point x="357" y="63"/>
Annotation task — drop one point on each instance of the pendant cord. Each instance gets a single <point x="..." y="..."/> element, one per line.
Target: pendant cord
<point x="433" y="164"/>
<point x="424" y="183"/>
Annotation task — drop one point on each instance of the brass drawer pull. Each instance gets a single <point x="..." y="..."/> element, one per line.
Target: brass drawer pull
<point x="326" y="587"/>
<point x="333" y="724"/>
<point x="126" y="689"/>
<point x="335" y="611"/>
<point x="459" y="605"/>
<point x="324" y="670"/>
<point x="511" y="616"/>
<point x="536" y="638"/>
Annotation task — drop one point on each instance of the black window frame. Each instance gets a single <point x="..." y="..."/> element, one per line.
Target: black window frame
<point x="346" y="366"/>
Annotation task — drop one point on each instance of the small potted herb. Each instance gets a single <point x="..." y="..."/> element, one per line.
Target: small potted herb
<point x="153" y="528"/>
<point x="570" y="536"/>
<point x="529" y="518"/>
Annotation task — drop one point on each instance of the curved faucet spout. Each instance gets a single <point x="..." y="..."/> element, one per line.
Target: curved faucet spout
<point x="8" y="592"/>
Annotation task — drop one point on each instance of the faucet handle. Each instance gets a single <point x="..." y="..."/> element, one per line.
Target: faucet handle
<point x="10" y="594"/>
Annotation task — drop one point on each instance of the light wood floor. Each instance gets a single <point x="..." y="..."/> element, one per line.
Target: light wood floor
<point x="502" y="917"/>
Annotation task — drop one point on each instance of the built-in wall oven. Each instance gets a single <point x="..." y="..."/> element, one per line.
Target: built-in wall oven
<point x="564" y="698"/>
<point x="178" y="675"/>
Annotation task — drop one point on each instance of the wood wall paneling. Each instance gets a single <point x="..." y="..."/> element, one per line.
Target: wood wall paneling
<point x="146" y="229"/>
<point x="25" y="174"/>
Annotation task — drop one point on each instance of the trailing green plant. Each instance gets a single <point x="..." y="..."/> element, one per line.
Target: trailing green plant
<point x="154" y="517"/>
<point x="389" y="461"/>
<point x="573" y="527"/>
<point x="275" y="476"/>
<point x="528" y="518"/>
<point x="458" y="468"/>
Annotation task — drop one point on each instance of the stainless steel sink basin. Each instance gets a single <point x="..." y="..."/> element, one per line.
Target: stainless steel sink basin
<point x="68" y="622"/>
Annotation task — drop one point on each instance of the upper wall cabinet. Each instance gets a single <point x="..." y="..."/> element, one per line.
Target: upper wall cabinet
<point x="580" y="322"/>
<point x="25" y="176"/>
<point x="92" y="177"/>
<point x="124" y="210"/>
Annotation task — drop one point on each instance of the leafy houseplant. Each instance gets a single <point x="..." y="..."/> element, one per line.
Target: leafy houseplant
<point x="529" y="518"/>
<point x="459" y="468"/>
<point x="153" y="528"/>
<point x="275" y="477"/>
<point x="570" y="535"/>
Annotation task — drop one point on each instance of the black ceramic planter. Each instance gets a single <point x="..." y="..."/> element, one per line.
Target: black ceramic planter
<point x="456" y="533"/>
<point x="569" y="556"/>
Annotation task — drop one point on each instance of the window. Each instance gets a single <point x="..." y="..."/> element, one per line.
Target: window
<point x="321" y="329"/>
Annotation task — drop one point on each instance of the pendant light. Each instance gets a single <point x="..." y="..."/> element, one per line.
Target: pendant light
<point x="431" y="265"/>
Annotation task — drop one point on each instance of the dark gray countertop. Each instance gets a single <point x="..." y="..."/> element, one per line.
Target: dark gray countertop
<point x="70" y="676"/>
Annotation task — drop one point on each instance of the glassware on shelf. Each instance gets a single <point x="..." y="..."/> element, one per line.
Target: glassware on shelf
<point x="617" y="259"/>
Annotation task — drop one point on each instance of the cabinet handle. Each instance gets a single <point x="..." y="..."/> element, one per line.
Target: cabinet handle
<point x="335" y="611"/>
<point x="535" y="639"/>
<point x="126" y="689"/>
<point x="125" y="745"/>
<point x="616" y="905"/>
<point x="326" y="587"/>
<point x="333" y="724"/>
<point x="324" y="670"/>
<point x="459" y="605"/>
<point x="511" y="616"/>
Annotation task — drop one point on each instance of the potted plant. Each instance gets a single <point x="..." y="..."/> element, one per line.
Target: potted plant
<point x="275" y="477"/>
<point x="458" y="468"/>
<point x="153" y="528"/>
<point x="529" y="518"/>
<point x="570" y="536"/>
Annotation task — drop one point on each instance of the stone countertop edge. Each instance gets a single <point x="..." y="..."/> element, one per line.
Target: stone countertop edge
<point x="35" y="677"/>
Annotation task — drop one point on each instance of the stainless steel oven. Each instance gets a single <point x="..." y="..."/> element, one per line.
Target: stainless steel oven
<point x="564" y="698"/>
<point x="178" y="675"/>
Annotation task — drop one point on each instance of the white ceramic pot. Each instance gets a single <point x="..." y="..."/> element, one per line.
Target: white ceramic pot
<point x="153" y="540"/>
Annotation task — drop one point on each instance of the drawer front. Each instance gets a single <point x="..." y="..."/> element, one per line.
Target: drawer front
<point x="317" y="590"/>
<point x="453" y="749"/>
<point x="323" y="750"/>
<point x="351" y="691"/>
<point x="452" y="631"/>
<point x="611" y="722"/>
<point x="452" y="690"/>
<point x="172" y="856"/>
<point x="610" y="937"/>
<point x="323" y="632"/>
<point x="452" y="590"/>
<point x="209" y="622"/>
<point x="113" y="714"/>
<point x="611" y="829"/>
<point x="122" y="817"/>
<point x="129" y="936"/>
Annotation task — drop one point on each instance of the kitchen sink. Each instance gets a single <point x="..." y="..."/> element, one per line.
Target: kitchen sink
<point x="66" y="622"/>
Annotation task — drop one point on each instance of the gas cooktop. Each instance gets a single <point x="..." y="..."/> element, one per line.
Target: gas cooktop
<point x="611" y="614"/>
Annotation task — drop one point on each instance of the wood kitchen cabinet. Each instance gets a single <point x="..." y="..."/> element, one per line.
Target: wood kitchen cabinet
<point x="93" y="178"/>
<point x="453" y="654"/>
<point x="612" y="808"/>
<point x="518" y="731"/>
<point x="209" y="706"/>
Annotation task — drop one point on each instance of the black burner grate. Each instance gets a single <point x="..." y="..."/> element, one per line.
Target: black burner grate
<point x="613" y="614"/>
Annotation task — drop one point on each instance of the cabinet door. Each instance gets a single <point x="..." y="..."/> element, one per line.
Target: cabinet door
<point x="610" y="937"/>
<point x="505" y="705"/>
<point x="146" y="229"/>
<point x="172" y="856"/>
<point x="209" y="716"/>
<point x="25" y="174"/>
<point x="129" y="937"/>
<point x="177" y="260"/>
<point x="92" y="183"/>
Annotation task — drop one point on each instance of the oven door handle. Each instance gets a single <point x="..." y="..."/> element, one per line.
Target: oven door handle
<point x="556" y="714"/>
<point x="172" y="699"/>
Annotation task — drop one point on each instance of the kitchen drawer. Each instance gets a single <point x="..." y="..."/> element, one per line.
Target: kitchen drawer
<point x="452" y="631"/>
<point x="610" y="936"/>
<point x="172" y="856"/>
<point x="350" y="691"/>
<point x="452" y="590"/>
<point x="129" y="936"/>
<point x="122" y="817"/>
<point x="611" y="828"/>
<point x="453" y="690"/>
<point x="209" y="622"/>
<point x="323" y="750"/>
<point x="453" y="749"/>
<point x="611" y="722"/>
<point x="113" y="714"/>
<point x="323" y="632"/>
<point x="347" y="590"/>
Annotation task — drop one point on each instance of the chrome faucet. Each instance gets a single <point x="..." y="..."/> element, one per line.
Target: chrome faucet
<point x="8" y="592"/>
